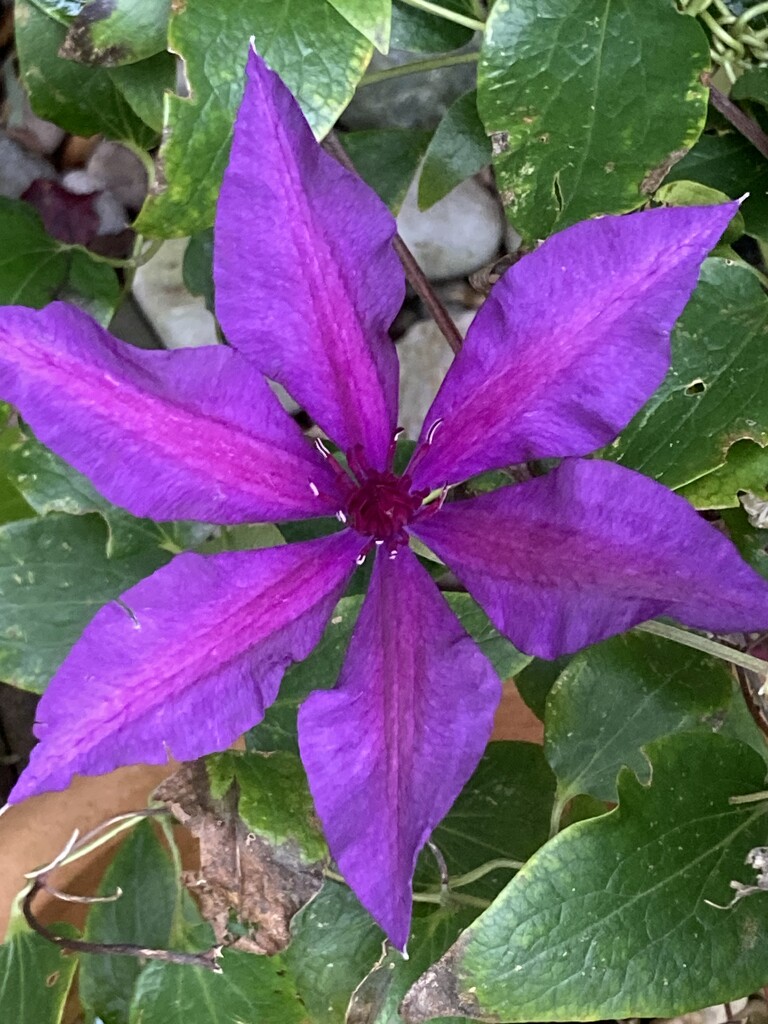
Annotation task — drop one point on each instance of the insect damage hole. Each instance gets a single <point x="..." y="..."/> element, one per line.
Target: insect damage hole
<point x="696" y="387"/>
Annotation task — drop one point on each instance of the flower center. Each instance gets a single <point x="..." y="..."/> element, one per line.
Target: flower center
<point x="381" y="506"/>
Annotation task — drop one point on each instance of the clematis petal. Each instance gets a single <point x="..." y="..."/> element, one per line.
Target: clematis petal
<point x="190" y="434"/>
<point x="307" y="282"/>
<point x="590" y="550"/>
<point x="187" y="660"/>
<point x="571" y="342"/>
<point x="388" y="751"/>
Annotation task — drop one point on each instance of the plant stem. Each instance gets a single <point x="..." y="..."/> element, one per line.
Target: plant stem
<point x="557" y="812"/>
<point x="419" y="66"/>
<point x="702" y="643"/>
<point x="443" y="12"/>
<point x="744" y="124"/>
<point x="413" y="271"/>
<point x="484" y="869"/>
<point x="749" y="798"/>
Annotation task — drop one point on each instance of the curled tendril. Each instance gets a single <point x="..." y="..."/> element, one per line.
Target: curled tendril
<point x="736" y="42"/>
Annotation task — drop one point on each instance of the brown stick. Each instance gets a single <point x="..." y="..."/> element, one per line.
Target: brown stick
<point x="208" y="959"/>
<point x="413" y="271"/>
<point x="742" y="122"/>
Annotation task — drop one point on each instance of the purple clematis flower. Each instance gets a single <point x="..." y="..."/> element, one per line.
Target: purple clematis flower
<point x="570" y="344"/>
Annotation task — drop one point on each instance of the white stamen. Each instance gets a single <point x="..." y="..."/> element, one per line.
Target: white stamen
<point x="379" y="543"/>
<point x="393" y="554"/>
<point x="433" y="430"/>
<point x="341" y="517"/>
<point x="320" y="445"/>
<point x="360" y="558"/>
<point x="398" y="432"/>
<point x="314" y="489"/>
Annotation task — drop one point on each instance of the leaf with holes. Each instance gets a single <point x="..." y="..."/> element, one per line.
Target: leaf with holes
<point x="745" y="470"/>
<point x="320" y="56"/>
<point x="610" y="919"/>
<point x="617" y="696"/>
<point x="713" y="394"/>
<point x="587" y="111"/>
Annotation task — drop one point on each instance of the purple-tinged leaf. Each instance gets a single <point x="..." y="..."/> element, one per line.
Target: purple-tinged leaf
<point x="307" y="282"/>
<point x="187" y="660"/>
<point x="190" y="434"/>
<point x="571" y="342"/>
<point x="388" y="751"/>
<point x="68" y="216"/>
<point x="590" y="550"/>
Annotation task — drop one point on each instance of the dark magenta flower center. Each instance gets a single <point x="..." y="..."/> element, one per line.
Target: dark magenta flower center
<point x="382" y="505"/>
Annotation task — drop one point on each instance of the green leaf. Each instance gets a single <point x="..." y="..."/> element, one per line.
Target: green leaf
<point x="745" y="469"/>
<point x="249" y="990"/>
<point x="513" y="776"/>
<point x="319" y="671"/>
<point x="752" y="84"/>
<point x="273" y="798"/>
<point x="335" y="943"/>
<point x="617" y="696"/>
<point x="50" y="484"/>
<point x="387" y="158"/>
<point x="82" y="100"/>
<point x="692" y="193"/>
<point x="54" y="576"/>
<point x="318" y="54"/>
<point x="713" y="394"/>
<point x="144" y="915"/>
<point x="35" y="979"/>
<point x="12" y="504"/>
<point x="118" y="32"/>
<point x="459" y="149"/>
<point x="277" y="731"/>
<point x="731" y="164"/>
<point x="505" y="658"/>
<point x="144" y="85"/>
<point x="371" y="18"/>
<point x="242" y="537"/>
<point x="610" y="919"/>
<point x="35" y="269"/>
<point x="536" y="680"/>
<point x="420" y="32"/>
<point x="578" y="131"/>
<point x="198" y="267"/>
<point x="377" y="998"/>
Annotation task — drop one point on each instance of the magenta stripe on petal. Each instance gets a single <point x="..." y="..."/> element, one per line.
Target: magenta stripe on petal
<point x="389" y="750"/>
<point x="190" y="434"/>
<point x="187" y="660"/>
<point x="590" y="550"/>
<point x="307" y="282"/>
<point x="571" y="342"/>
